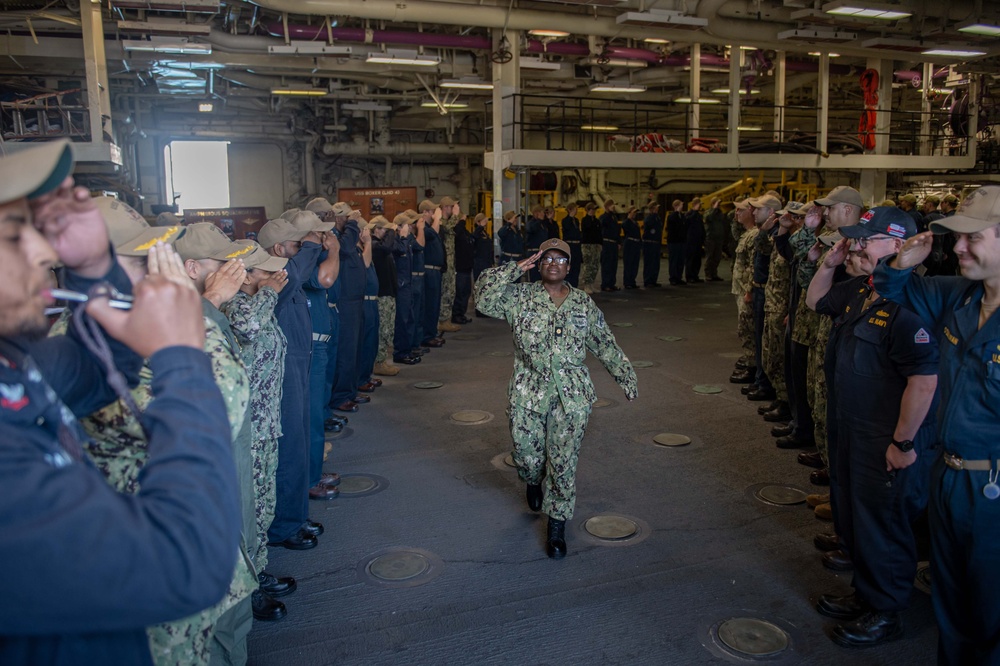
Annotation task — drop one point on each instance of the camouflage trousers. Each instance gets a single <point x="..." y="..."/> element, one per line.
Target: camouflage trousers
<point x="816" y="379"/>
<point x="265" y="465"/>
<point x="546" y="450"/>
<point x="773" y="353"/>
<point x="188" y="641"/>
<point x="447" y="292"/>
<point x="744" y="328"/>
<point x="591" y="264"/>
<point x="386" y="326"/>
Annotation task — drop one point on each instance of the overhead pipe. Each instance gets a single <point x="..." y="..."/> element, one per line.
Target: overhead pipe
<point x="399" y="149"/>
<point x="909" y="76"/>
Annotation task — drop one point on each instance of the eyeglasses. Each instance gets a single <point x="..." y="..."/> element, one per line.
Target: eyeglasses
<point x="863" y="242"/>
<point x="562" y="261"/>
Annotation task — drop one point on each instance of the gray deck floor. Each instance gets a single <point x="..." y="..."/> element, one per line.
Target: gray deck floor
<point x="708" y="551"/>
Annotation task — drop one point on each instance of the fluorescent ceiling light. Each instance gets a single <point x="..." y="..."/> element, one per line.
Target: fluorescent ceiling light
<point x="818" y="54"/>
<point x="980" y="27"/>
<point x="206" y="107"/>
<point x="749" y="128"/>
<point x="617" y="87"/>
<point x="365" y="106"/>
<point x="599" y="128"/>
<point x="656" y="40"/>
<point x="616" y="62"/>
<point x="701" y="100"/>
<point x="953" y="52"/>
<point x="431" y="104"/>
<point x="310" y="48"/>
<point x="469" y="84"/>
<point x="548" y="33"/>
<point x="743" y="91"/>
<point x="529" y="62"/>
<point x="401" y="57"/>
<point x="176" y="47"/>
<point x="662" y="17"/>
<point x="300" y="92"/>
<point x="865" y="9"/>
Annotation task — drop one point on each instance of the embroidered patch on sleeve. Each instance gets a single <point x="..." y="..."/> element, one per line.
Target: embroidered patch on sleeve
<point x="921" y="337"/>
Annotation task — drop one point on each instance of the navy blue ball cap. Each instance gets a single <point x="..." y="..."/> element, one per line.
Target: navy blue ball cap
<point x="885" y="220"/>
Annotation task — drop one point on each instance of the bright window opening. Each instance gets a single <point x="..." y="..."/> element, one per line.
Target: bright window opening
<point x="197" y="174"/>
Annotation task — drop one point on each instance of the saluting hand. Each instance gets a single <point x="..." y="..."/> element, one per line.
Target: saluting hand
<point x="163" y="260"/>
<point x="815" y="252"/>
<point x="527" y="264"/>
<point x="837" y="254"/>
<point x="71" y="223"/>
<point x="331" y="243"/>
<point x="223" y="284"/>
<point x="914" y="251"/>
<point x="276" y="280"/>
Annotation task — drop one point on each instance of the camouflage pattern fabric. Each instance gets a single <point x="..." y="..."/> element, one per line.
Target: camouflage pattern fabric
<point x="591" y="264"/>
<point x="806" y="324"/>
<point x="263" y="352"/>
<point x="816" y="378"/>
<point x="742" y="279"/>
<point x="773" y="352"/>
<point x="546" y="450"/>
<point x="119" y="450"/>
<point x="447" y="233"/>
<point x="744" y="329"/>
<point x="386" y="327"/>
<point x="550" y="393"/>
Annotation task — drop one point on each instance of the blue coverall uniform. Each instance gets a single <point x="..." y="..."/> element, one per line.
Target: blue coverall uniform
<point x="434" y="258"/>
<point x="573" y="237"/>
<point x="511" y="244"/>
<point x="351" y="307"/>
<point x="611" y="232"/>
<point x="368" y="348"/>
<point x="319" y="390"/>
<point x="402" y="334"/>
<point x="652" y="235"/>
<point x="631" y="252"/>
<point x="965" y="543"/>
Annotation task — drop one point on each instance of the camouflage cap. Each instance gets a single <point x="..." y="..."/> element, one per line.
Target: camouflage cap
<point x="555" y="244"/>
<point x="977" y="212"/>
<point x="34" y="171"/>
<point x="130" y="233"/>
<point x="794" y="208"/>
<point x="254" y="256"/>
<point x="204" y="240"/>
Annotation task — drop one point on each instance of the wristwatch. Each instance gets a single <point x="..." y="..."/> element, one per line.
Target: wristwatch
<point x="905" y="446"/>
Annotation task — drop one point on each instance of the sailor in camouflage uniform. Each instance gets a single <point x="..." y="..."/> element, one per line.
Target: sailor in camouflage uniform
<point x="776" y="295"/>
<point x="451" y="216"/>
<point x="550" y="391"/>
<point x="251" y="315"/>
<point x="742" y="274"/>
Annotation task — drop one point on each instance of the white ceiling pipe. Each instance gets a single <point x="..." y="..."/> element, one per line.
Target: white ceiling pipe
<point x="401" y="148"/>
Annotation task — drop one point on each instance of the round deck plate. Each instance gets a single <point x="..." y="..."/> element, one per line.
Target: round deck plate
<point x="753" y="637"/>
<point x="623" y="324"/>
<point x="707" y="389"/>
<point x="781" y="495"/>
<point x="611" y="528"/>
<point x="642" y="364"/>
<point x="471" y="417"/>
<point x="602" y="402"/>
<point x="428" y="385"/>
<point x="360" y="484"/>
<point x="508" y="460"/>
<point x="672" y="439"/>
<point x="669" y="338"/>
<point x="399" y="566"/>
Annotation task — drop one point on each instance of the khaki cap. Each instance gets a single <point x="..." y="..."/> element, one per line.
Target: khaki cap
<point x="254" y="256"/>
<point x="204" y="240"/>
<point x="342" y="209"/>
<point x="888" y="202"/>
<point x="842" y="194"/>
<point x="35" y="171"/>
<point x="908" y="198"/>
<point x="479" y="218"/>
<point x="168" y="219"/>
<point x="950" y="199"/>
<point x="130" y="233"/>
<point x="289" y="214"/>
<point x="412" y="214"/>
<point x="830" y="238"/>
<point x="293" y="228"/>
<point x="537" y="208"/>
<point x="380" y="222"/>
<point x="319" y="205"/>
<point x="448" y="201"/>
<point x="510" y="215"/>
<point x="742" y="205"/>
<point x="978" y="211"/>
<point x="555" y="244"/>
<point x="766" y="201"/>
<point x="932" y="199"/>
<point x="426" y="206"/>
<point x="401" y="219"/>
<point x="793" y="208"/>
<point x="609" y="202"/>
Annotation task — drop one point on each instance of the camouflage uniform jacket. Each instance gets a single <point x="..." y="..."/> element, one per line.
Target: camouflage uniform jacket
<point x="743" y="262"/>
<point x="263" y="353"/>
<point x="551" y="343"/>
<point x="779" y="283"/>
<point x="447" y="233"/>
<point x="801" y="242"/>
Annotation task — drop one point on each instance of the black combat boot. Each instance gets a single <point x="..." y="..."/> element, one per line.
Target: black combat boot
<point x="555" y="543"/>
<point x="534" y="495"/>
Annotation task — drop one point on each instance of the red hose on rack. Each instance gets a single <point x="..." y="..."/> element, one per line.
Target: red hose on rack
<point x="869" y="118"/>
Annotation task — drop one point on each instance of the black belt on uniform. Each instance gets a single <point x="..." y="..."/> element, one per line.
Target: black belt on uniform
<point x="321" y="337"/>
<point x="431" y="268"/>
<point x="956" y="462"/>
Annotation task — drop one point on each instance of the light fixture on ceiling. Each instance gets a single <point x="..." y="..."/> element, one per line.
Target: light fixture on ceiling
<point x="365" y="106"/>
<point x="175" y="46"/>
<point x="817" y="54"/>
<point x="616" y="87"/>
<point x="656" y="40"/>
<point x="206" y="107"/>
<point x="599" y="128"/>
<point x="701" y="100"/>
<point x="990" y="28"/>
<point x="403" y="57"/>
<point x="165" y="27"/>
<point x="188" y="6"/>
<point x="545" y="32"/>
<point x="813" y="36"/>
<point x="466" y="83"/>
<point x="300" y="92"/>
<point x="953" y="52"/>
<point x="431" y="104"/>
<point x="707" y="68"/>
<point x="866" y="9"/>
<point x="532" y="62"/>
<point x="894" y="44"/>
<point x="662" y="17"/>
<point x="748" y="128"/>
<point x="615" y="62"/>
<point x="309" y="48"/>
<point x="743" y="91"/>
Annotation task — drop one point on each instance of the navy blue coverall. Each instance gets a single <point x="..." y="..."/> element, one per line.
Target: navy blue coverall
<point x="652" y="234"/>
<point x="611" y="233"/>
<point x="351" y="307"/>
<point x="572" y="235"/>
<point x="402" y="333"/>
<point x="319" y="389"/>
<point x="434" y="258"/>
<point x="631" y="251"/>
